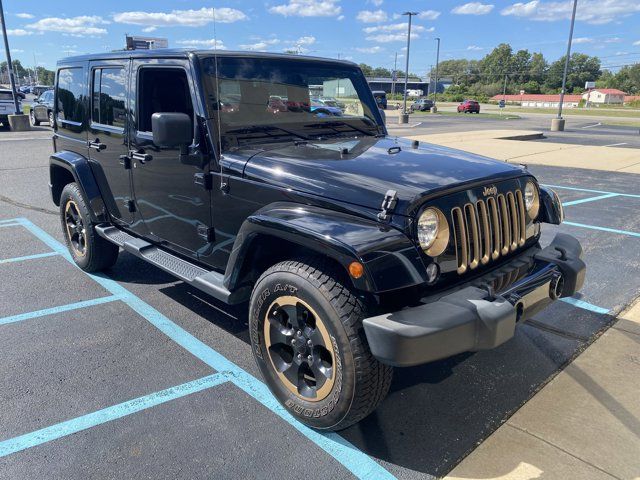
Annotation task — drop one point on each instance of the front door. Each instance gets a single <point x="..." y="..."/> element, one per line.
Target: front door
<point x="175" y="210"/>
<point x="108" y="143"/>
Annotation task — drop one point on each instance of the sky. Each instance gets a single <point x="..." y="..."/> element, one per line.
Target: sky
<point x="364" y="31"/>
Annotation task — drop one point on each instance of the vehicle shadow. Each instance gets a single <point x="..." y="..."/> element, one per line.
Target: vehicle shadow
<point x="435" y="414"/>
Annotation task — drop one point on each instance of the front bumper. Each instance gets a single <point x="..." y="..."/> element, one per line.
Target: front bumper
<point x="474" y="317"/>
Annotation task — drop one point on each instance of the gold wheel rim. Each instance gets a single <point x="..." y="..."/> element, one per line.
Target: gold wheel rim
<point x="308" y="371"/>
<point x="76" y="232"/>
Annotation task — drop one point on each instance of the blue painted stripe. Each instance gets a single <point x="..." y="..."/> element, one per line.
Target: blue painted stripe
<point x="632" y="195"/>
<point x="9" y="220"/>
<point x="590" y="199"/>
<point x="108" y="414"/>
<point x="585" y="305"/>
<point x="29" y="257"/>
<point x="356" y="461"/>
<point x="62" y="308"/>
<point x="9" y="224"/>
<point x="603" y="229"/>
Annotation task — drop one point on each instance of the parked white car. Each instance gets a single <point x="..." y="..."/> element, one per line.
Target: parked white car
<point x="6" y="106"/>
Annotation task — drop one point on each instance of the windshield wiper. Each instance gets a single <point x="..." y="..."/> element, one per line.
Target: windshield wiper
<point x="333" y="124"/>
<point x="266" y="129"/>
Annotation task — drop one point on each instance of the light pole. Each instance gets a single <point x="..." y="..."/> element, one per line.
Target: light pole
<point x="12" y="80"/>
<point x="435" y="92"/>
<point x="404" y="117"/>
<point x="557" y="124"/>
<point x="394" y="76"/>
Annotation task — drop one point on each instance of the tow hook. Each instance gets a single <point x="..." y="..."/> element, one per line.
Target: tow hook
<point x="555" y="287"/>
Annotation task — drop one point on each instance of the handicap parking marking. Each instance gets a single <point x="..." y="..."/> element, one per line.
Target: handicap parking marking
<point x="29" y="257"/>
<point x="54" y="310"/>
<point x="590" y="199"/>
<point x="9" y="225"/>
<point x="353" y="459"/>
<point x="578" y="189"/>
<point x="108" y="414"/>
<point x="576" y="302"/>
<point x="602" y="229"/>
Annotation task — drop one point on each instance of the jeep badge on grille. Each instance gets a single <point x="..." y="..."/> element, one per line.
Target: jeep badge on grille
<point x="492" y="190"/>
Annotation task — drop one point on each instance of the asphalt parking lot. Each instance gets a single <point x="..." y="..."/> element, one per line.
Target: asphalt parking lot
<point x="134" y="374"/>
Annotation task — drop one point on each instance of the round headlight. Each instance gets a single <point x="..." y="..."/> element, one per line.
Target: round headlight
<point x="531" y="200"/>
<point x="433" y="232"/>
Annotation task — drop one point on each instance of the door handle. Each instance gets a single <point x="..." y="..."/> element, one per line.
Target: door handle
<point x="140" y="156"/>
<point x="97" y="145"/>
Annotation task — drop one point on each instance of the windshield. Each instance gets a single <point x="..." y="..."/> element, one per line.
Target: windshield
<point x="267" y="99"/>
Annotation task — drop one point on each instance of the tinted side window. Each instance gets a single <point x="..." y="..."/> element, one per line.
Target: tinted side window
<point x="162" y="90"/>
<point x="109" y="96"/>
<point x="71" y="94"/>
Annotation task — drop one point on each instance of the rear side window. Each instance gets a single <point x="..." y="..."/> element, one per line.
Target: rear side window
<point x="71" y="90"/>
<point x="109" y="96"/>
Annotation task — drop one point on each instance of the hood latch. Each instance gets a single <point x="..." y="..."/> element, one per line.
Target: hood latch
<point x="388" y="204"/>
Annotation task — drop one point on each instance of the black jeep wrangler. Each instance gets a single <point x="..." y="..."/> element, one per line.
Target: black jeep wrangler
<point x="356" y="252"/>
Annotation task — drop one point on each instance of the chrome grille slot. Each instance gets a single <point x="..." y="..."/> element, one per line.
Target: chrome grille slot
<point x="460" y="235"/>
<point x="488" y="229"/>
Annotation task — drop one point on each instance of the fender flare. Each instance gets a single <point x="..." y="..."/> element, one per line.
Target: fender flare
<point x="391" y="260"/>
<point x="78" y="166"/>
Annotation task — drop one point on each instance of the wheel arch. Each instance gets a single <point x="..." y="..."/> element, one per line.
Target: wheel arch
<point x="283" y="231"/>
<point x="67" y="167"/>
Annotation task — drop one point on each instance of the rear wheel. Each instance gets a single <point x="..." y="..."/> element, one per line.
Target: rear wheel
<point x="308" y="341"/>
<point x="90" y="252"/>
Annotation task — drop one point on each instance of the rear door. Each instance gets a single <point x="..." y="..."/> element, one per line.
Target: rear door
<point x="108" y="139"/>
<point x="176" y="211"/>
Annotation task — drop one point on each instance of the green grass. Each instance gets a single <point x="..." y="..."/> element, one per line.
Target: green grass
<point x="505" y="116"/>
<point x="579" y="111"/>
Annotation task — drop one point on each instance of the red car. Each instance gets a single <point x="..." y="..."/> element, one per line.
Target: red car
<point x="469" y="106"/>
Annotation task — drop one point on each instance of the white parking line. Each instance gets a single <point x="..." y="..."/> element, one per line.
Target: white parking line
<point x="616" y="144"/>
<point x="594" y="125"/>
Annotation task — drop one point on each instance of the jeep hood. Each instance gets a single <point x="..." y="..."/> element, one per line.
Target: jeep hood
<point x="361" y="170"/>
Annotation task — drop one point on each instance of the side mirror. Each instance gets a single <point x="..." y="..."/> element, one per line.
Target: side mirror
<point x="171" y="129"/>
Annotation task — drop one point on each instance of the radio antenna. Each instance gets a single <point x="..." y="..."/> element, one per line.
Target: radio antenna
<point x="218" y="104"/>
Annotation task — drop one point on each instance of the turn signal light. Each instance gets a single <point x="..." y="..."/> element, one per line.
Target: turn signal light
<point x="356" y="270"/>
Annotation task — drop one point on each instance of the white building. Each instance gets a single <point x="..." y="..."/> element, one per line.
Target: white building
<point x="605" y="96"/>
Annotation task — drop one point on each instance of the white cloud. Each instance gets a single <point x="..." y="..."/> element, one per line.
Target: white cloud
<point x="17" y="50"/>
<point x="340" y="18"/>
<point x="375" y="49"/>
<point x="74" y="26"/>
<point x="590" y="11"/>
<point x="377" y="3"/>
<point x="394" y="27"/>
<point x="475" y="48"/>
<point x="149" y="29"/>
<point x="473" y="8"/>
<point x="636" y="43"/>
<point x="260" y="44"/>
<point x="24" y="15"/>
<point x="182" y="18"/>
<point x="308" y="8"/>
<point x="613" y="40"/>
<point x="622" y="53"/>
<point x="209" y="43"/>
<point x="18" y="32"/>
<point x="367" y="16"/>
<point x="429" y="15"/>
<point x="308" y="40"/>
<point x="391" y="37"/>
<point x="580" y="40"/>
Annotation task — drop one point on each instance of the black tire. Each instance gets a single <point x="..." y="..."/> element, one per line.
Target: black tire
<point x="32" y="117"/>
<point x="90" y="252"/>
<point x="358" y="382"/>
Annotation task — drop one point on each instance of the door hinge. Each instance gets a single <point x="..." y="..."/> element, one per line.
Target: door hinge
<point x="205" y="180"/>
<point x="125" y="161"/>
<point x="208" y="233"/>
<point x="131" y="205"/>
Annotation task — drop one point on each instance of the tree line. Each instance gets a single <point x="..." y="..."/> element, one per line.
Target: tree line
<point x="505" y="70"/>
<point x="25" y="74"/>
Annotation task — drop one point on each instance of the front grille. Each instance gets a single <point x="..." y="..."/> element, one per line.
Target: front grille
<point x="488" y="229"/>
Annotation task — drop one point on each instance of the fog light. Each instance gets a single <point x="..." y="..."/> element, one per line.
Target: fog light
<point x="432" y="272"/>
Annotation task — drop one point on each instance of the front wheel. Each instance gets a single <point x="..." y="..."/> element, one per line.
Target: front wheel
<point x="308" y="341"/>
<point x="34" y="120"/>
<point x="90" y="252"/>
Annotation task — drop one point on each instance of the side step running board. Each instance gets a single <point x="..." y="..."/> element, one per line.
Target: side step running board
<point x="208" y="281"/>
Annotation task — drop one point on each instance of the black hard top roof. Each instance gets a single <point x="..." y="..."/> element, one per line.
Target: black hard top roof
<point x="186" y="52"/>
